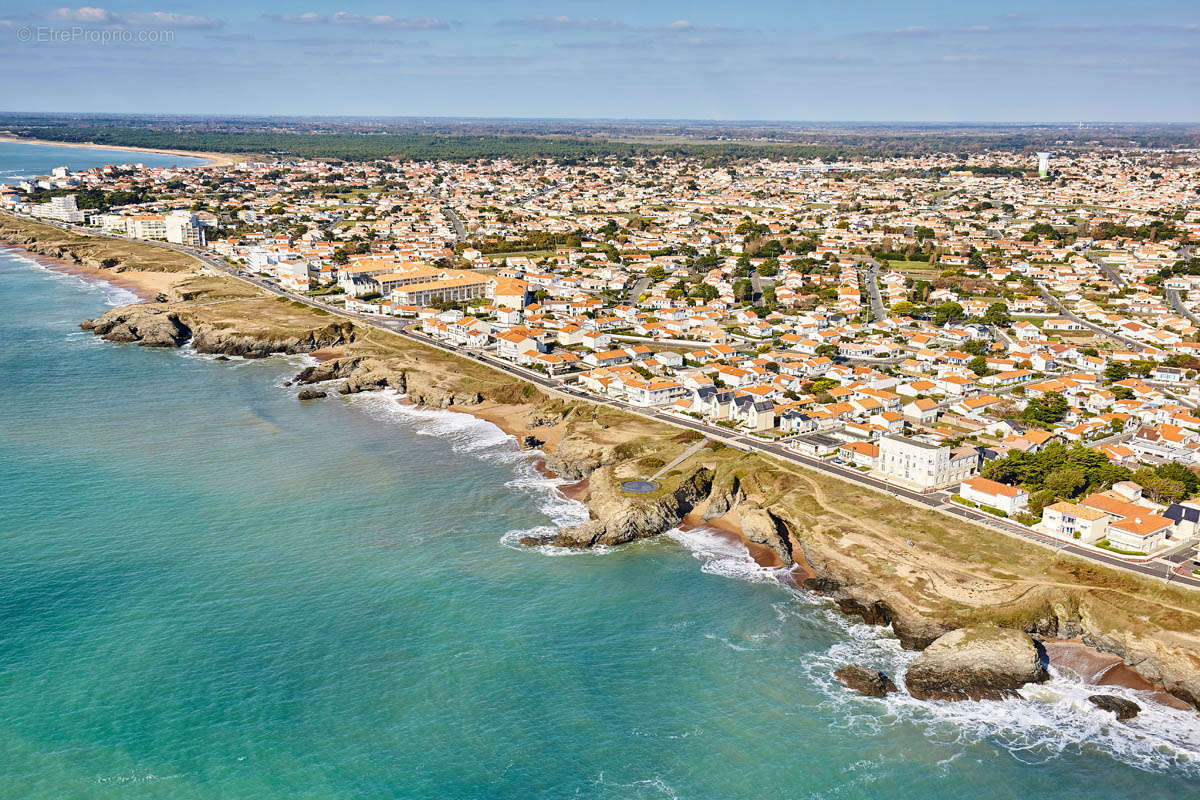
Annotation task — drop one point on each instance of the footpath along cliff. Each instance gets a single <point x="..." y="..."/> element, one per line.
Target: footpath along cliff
<point x="921" y="573"/>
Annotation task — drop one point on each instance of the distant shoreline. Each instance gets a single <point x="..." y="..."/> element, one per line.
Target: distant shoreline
<point x="218" y="159"/>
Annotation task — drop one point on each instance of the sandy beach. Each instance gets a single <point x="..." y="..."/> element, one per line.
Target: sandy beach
<point x="218" y="159"/>
<point x="146" y="285"/>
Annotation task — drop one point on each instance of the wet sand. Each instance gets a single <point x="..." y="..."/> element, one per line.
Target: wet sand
<point x="1103" y="669"/>
<point x="327" y="354"/>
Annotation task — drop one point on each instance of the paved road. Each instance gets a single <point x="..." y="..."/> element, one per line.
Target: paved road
<point x="1110" y="272"/>
<point x="1165" y="568"/>
<point x="1177" y="303"/>
<point x="755" y="287"/>
<point x="871" y="278"/>
<point x="1132" y="344"/>
<point x="638" y="288"/>
<point x="460" y="232"/>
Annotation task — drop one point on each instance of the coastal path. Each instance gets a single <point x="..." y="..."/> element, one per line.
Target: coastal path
<point x="682" y="457"/>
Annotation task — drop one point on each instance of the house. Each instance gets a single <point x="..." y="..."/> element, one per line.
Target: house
<point x="752" y="413"/>
<point x="985" y="492"/>
<point x="860" y="454"/>
<point x="1143" y="534"/>
<point x="923" y="465"/>
<point x="1071" y="521"/>
<point x="1133" y="527"/>
<point x="922" y="410"/>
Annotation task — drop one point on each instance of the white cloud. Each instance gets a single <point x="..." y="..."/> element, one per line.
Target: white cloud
<point x="103" y="17"/>
<point x="562" y="23"/>
<point x="350" y="19"/>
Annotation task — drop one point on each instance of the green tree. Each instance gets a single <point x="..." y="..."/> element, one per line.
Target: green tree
<point x="769" y="268"/>
<point x="1046" y="410"/>
<point x="997" y="314"/>
<point x="947" y="312"/>
<point x="978" y="365"/>
<point x="743" y="290"/>
<point x="1116" y="372"/>
<point x="1067" y="482"/>
<point x="1175" y="471"/>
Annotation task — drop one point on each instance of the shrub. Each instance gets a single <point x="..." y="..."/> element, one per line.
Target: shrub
<point x="993" y="510"/>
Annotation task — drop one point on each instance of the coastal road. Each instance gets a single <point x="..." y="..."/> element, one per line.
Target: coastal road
<point x="1132" y="344"/>
<point x="1158" y="568"/>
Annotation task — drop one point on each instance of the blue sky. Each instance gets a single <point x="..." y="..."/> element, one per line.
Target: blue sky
<point x="800" y="60"/>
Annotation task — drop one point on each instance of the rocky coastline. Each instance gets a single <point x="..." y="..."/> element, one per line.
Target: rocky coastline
<point x="699" y="492"/>
<point x="712" y="485"/>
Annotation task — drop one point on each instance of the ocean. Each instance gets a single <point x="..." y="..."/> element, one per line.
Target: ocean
<point x="211" y="590"/>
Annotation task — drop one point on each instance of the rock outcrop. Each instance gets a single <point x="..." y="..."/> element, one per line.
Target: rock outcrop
<point x="725" y="496"/>
<point x="146" y="325"/>
<point x="976" y="664"/>
<point x="231" y="342"/>
<point x="151" y="325"/>
<point x="620" y="518"/>
<point x="576" y="459"/>
<point x="864" y="680"/>
<point x="334" y="369"/>
<point x="1124" y="709"/>
<point x="310" y="394"/>
<point x="762" y="526"/>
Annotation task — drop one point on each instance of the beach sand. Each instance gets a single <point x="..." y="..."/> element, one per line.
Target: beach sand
<point x="1104" y="669"/>
<point x="513" y="420"/>
<point x="146" y="285"/>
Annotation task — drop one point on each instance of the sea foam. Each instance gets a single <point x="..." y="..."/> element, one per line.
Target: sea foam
<point x="113" y="295"/>
<point x="478" y="438"/>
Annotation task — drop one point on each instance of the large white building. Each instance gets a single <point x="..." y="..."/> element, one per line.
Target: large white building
<point x="922" y="465"/>
<point x="183" y="227"/>
<point x="147" y="226"/>
<point x="62" y="208"/>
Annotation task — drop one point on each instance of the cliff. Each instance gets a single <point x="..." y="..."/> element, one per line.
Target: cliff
<point x="152" y="325"/>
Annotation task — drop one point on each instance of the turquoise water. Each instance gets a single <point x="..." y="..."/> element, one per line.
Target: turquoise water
<point x="210" y="590"/>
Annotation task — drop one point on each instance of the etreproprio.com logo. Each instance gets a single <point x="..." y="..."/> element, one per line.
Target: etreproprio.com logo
<point x="78" y="34"/>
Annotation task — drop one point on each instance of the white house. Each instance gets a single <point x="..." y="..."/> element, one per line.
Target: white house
<point x="985" y="492"/>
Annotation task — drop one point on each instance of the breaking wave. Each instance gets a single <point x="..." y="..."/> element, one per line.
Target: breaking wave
<point x="470" y="435"/>
<point x="113" y="295"/>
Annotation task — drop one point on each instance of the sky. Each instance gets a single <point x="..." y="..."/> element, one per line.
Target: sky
<point x="900" y="60"/>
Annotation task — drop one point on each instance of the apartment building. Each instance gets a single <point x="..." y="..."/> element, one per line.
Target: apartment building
<point x="923" y="465"/>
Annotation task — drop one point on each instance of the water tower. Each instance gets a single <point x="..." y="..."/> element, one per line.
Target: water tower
<point x="1043" y="164"/>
